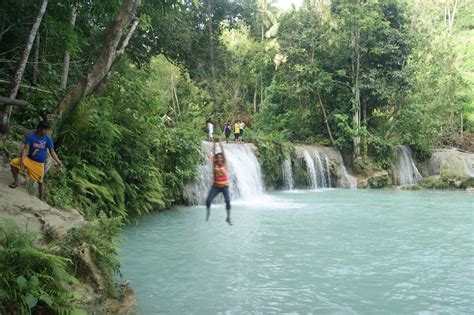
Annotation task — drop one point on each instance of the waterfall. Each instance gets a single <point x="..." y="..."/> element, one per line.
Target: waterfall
<point x="346" y="180"/>
<point x="319" y="170"/>
<point x="244" y="174"/>
<point x="287" y="175"/>
<point x="328" y="171"/>
<point x="405" y="168"/>
<point x="311" y="170"/>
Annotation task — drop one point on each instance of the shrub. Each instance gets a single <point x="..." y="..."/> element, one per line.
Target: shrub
<point x="59" y="193"/>
<point x="32" y="280"/>
<point x="434" y="182"/>
<point x="128" y="163"/>
<point x="101" y="236"/>
<point x="467" y="182"/>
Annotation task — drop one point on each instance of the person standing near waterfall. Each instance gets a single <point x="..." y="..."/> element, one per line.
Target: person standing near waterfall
<point x="242" y="127"/>
<point x="227" y="131"/>
<point x="221" y="181"/>
<point x="210" y="131"/>
<point x="236" y="131"/>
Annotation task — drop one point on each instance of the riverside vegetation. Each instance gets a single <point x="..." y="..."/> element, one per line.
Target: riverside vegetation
<point x="362" y="76"/>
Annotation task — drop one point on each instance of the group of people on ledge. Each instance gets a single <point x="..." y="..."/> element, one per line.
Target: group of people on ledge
<point x="238" y="127"/>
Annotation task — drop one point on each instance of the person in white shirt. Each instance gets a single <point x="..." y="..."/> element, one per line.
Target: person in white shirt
<point x="210" y="131"/>
<point x="242" y="126"/>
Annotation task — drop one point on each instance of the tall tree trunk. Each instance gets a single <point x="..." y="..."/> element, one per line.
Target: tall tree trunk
<point x="255" y="101"/>
<point x="36" y="61"/>
<point x="67" y="57"/>
<point x="174" y="96"/>
<point x="103" y="62"/>
<point x="356" y="88"/>
<point x="446" y="12"/>
<point x="20" y="69"/>
<point x="100" y="89"/>
<point x="211" y="46"/>
<point x="364" y="123"/>
<point x="264" y="8"/>
<point x="451" y="16"/>
<point x="326" y="121"/>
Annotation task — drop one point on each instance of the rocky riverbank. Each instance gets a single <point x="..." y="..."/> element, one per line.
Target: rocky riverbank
<point x="54" y="228"/>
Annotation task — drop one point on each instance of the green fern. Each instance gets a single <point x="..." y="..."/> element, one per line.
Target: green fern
<point x="32" y="279"/>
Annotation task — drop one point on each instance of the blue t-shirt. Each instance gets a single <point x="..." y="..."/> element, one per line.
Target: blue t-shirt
<point x="38" y="146"/>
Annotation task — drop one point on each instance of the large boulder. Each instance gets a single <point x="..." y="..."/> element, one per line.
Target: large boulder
<point x="449" y="163"/>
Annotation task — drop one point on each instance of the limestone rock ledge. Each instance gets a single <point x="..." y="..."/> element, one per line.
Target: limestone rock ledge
<point x="52" y="227"/>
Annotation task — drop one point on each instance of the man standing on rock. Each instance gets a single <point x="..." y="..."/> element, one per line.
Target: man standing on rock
<point x="33" y="158"/>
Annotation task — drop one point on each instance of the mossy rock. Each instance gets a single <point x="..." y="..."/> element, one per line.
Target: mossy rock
<point x="362" y="183"/>
<point x="453" y="167"/>
<point x="360" y="166"/>
<point x="300" y="173"/>
<point x="379" y="180"/>
<point x="467" y="183"/>
<point x="441" y="182"/>
<point x="410" y="187"/>
<point x="451" y="163"/>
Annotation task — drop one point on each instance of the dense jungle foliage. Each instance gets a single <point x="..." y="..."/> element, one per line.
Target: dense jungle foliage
<point x="361" y="75"/>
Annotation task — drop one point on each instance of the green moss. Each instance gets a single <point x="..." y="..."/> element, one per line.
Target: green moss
<point x="436" y="182"/>
<point x="378" y="182"/>
<point x="467" y="183"/>
<point x="272" y="152"/>
<point x="102" y="238"/>
<point x="300" y="173"/>
<point x="453" y="166"/>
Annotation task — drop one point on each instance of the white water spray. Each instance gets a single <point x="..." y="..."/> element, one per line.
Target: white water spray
<point x="318" y="166"/>
<point x="328" y="171"/>
<point x="405" y="169"/>
<point x="287" y="175"/>
<point x="311" y="169"/>
<point x="319" y="170"/>
<point x="346" y="180"/>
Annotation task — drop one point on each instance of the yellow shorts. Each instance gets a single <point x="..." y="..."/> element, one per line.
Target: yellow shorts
<point x="35" y="169"/>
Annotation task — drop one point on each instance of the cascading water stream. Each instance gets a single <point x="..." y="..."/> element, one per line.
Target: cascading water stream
<point x="287" y="175"/>
<point x="244" y="174"/>
<point x="319" y="170"/>
<point x="318" y="167"/>
<point x="405" y="169"/>
<point x="311" y="169"/>
<point x="346" y="180"/>
<point x="328" y="171"/>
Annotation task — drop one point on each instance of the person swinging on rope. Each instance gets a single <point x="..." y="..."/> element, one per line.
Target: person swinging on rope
<point x="221" y="181"/>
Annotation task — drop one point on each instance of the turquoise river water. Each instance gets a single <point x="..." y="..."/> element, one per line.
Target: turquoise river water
<point x="308" y="252"/>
